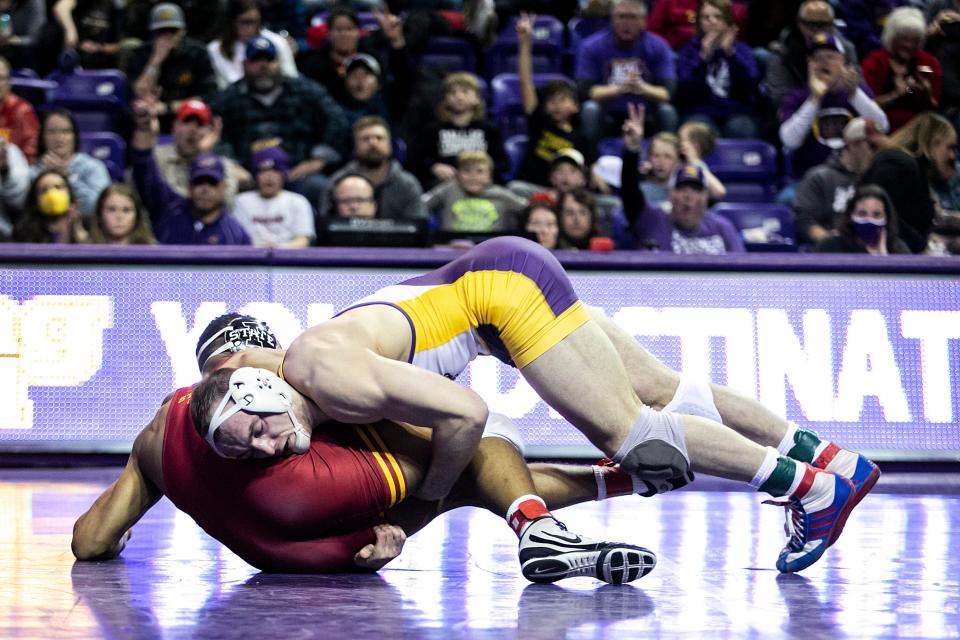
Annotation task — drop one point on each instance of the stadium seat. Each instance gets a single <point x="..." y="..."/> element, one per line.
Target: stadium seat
<point x="507" y="103"/>
<point x="748" y="192"/>
<point x="515" y="146"/>
<point x="107" y="147"/>
<point x="450" y="54"/>
<point x="94" y="97"/>
<point x="764" y="226"/>
<point x="30" y="88"/>
<point x="744" y="161"/>
<point x="581" y="28"/>
<point x="548" y="48"/>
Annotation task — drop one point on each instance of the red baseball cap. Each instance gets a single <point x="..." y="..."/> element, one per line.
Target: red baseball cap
<point x="195" y="109"/>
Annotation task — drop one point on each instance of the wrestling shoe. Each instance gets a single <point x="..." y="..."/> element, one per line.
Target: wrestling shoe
<point x="816" y="513"/>
<point x="862" y="472"/>
<point x="548" y="552"/>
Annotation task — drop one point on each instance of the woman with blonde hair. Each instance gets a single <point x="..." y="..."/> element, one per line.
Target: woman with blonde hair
<point x="920" y="155"/>
<point x="120" y="218"/>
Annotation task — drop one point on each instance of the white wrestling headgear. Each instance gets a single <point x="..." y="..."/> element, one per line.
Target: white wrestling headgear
<point x="257" y="391"/>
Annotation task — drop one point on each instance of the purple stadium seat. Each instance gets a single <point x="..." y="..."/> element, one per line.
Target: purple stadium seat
<point x="32" y="89"/>
<point x="515" y="146"/>
<point x="765" y="226"/>
<point x="94" y="97"/>
<point x="548" y="48"/>
<point x="107" y="147"/>
<point x="581" y="28"/>
<point x="507" y="103"/>
<point x="744" y="161"/>
<point x="450" y="54"/>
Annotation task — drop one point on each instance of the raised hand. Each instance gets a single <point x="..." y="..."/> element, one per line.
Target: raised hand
<point x="525" y="29"/>
<point x="633" y="127"/>
<point x="392" y="27"/>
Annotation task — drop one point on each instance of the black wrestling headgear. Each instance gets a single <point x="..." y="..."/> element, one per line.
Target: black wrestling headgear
<point x="233" y="332"/>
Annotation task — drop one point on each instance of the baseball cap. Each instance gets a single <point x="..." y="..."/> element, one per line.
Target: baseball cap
<point x="824" y="41"/>
<point x="570" y="155"/>
<point x="206" y="165"/>
<point x="195" y="109"/>
<point x="270" y="158"/>
<point x="167" y="15"/>
<point x="260" y="46"/>
<point x="689" y="174"/>
<point x="363" y="60"/>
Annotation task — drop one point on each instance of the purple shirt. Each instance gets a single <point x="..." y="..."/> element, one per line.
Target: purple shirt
<point x="714" y="236"/>
<point x="601" y="60"/>
<point x="720" y="87"/>
<point x="171" y="213"/>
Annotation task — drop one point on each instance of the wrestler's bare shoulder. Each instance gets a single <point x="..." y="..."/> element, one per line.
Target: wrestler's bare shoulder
<point x="148" y="447"/>
<point x="382" y="329"/>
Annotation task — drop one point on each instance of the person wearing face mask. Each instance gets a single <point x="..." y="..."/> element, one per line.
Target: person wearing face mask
<point x="51" y="214"/>
<point x="266" y="108"/>
<point x="869" y="225"/>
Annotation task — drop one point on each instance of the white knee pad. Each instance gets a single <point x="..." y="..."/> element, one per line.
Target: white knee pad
<point x="694" y="398"/>
<point x="656" y="451"/>
<point x="500" y="426"/>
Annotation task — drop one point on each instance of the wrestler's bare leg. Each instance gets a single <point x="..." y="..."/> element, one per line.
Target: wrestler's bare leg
<point x="584" y="378"/>
<point x="655" y="384"/>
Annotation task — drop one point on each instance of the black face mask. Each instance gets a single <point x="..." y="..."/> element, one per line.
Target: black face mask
<point x="868" y="231"/>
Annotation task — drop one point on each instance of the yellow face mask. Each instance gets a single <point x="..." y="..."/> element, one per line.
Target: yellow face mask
<point x="54" y="202"/>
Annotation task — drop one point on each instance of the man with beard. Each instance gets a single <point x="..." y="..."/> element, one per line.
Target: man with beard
<point x="201" y="218"/>
<point x="265" y="109"/>
<point x="397" y="192"/>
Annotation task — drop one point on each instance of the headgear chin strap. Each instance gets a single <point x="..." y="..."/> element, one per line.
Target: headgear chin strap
<point x="257" y="391"/>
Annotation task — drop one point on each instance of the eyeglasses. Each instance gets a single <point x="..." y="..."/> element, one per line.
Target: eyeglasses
<point x="350" y="201"/>
<point x="818" y="25"/>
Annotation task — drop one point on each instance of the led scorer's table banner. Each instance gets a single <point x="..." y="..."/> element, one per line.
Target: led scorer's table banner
<point x="87" y="352"/>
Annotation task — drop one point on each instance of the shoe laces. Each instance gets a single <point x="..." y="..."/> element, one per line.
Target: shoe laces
<point x="793" y="525"/>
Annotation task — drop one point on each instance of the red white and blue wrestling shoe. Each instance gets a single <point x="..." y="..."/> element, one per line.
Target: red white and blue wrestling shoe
<point x="816" y="513"/>
<point x="861" y="471"/>
<point x="548" y="552"/>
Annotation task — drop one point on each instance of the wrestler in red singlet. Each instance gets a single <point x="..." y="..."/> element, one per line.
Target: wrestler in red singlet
<point x="306" y="513"/>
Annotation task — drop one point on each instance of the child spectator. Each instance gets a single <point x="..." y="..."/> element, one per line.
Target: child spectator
<point x="460" y="126"/>
<point x="120" y="218"/>
<point x="273" y="216"/>
<point x="697" y="141"/>
<point x="50" y="214"/>
<point x="58" y="150"/>
<point x="472" y="202"/>
<point x="553" y="123"/>
<point x="540" y="218"/>
<point x="578" y="219"/>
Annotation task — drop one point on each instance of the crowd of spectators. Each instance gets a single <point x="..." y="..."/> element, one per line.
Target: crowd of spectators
<point x="255" y="122"/>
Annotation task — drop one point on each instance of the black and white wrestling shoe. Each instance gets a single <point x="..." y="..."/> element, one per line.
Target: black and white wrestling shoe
<point x="548" y="552"/>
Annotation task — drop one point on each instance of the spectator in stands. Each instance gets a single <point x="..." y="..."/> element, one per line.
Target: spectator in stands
<point x="627" y="64"/>
<point x="266" y="108"/>
<point x="717" y="76"/>
<point x="868" y="225"/>
<point x="472" y="202"/>
<point x="18" y="120"/>
<point x="787" y="63"/>
<point x="120" y="218"/>
<point x="553" y="123"/>
<point x="922" y="153"/>
<point x="397" y="192"/>
<point x="50" y="213"/>
<point x="227" y="52"/>
<point x="824" y="192"/>
<point x="676" y="21"/>
<point x="540" y="218"/>
<point x="172" y="66"/>
<point x="766" y="22"/>
<point x="364" y="97"/>
<point x="203" y="18"/>
<point x="200" y="219"/>
<point x="943" y="41"/>
<point x="905" y="79"/>
<point x="353" y="197"/>
<point x="195" y="132"/>
<point x="567" y="171"/>
<point x="273" y="216"/>
<point x="14" y="183"/>
<point x="689" y="228"/>
<point x="697" y="141"/>
<point x="27" y="19"/>
<point x="663" y="158"/>
<point x="812" y="118"/>
<point x="328" y="63"/>
<point x="460" y="126"/>
<point x="863" y="20"/>
<point x="92" y="28"/>
<point x="58" y="150"/>
<point x="578" y="219"/>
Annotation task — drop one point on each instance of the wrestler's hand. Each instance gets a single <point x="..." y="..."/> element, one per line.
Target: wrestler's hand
<point x="388" y="545"/>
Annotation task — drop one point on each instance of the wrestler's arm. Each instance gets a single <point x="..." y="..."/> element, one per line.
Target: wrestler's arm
<point x="353" y="384"/>
<point x="102" y="532"/>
